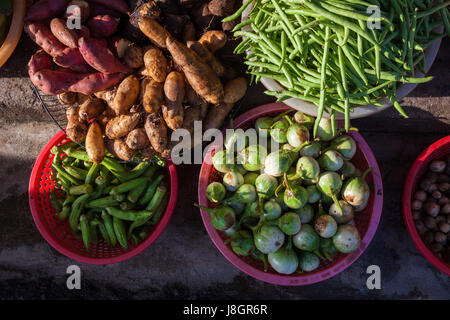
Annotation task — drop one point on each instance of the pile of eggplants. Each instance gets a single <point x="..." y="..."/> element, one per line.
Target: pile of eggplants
<point x="289" y="204"/>
<point x="119" y="202"/>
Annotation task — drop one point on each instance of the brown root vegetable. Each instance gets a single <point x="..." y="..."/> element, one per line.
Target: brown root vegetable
<point x="91" y="108"/>
<point x="100" y="57"/>
<point x="217" y="115"/>
<point x="148" y="153"/>
<point x="235" y="90"/>
<point x="213" y="40"/>
<point x="95" y="147"/>
<point x="152" y="95"/>
<point x="174" y="91"/>
<point x="207" y="56"/>
<point x="134" y="56"/>
<point x="82" y="98"/>
<point x="119" y="45"/>
<point x="122" y="151"/>
<point x="187" y="4"/>
<point x="191" y="114"/>
<point x="76" y="128"/>
<point x="221" y="8"/>
<point x="67" y="99"/>
<point x="102" y="120"/>
<point x="103" y="26"/>
<point x="72" y="59"/>
<point x="151" y="28"/>
<point x="199" y="75"/>
<point x="65" y="35"/>
<point x="194" y="100"/>
<point x="44" y="38"/>
<point x="229" y="25"/>
<point x="137" y="139"/>
<point x="203" y="18"/>
<point x="117" y="5"/>
<point x="44" y="10"/>
<point x="107" y="95"/>
<point x="230" y="73"/>
<point x="126" y="95"/>
<point x="189" y="32"/>
<point x="156" y="130"/>
<point x="120" y="126"/>
<point x="80" y="10"/>
<point x="156" y="64"/>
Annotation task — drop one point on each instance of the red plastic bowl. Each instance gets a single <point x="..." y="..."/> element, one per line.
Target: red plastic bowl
<point x="437" y="150"/>
<point x="366" y="221"/>
<point x="58" y="234"/>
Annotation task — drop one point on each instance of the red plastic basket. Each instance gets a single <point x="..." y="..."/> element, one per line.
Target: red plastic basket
<point x="58" y="234"/>
<point x="437" y="150"/>
<point x="366" y="221"/>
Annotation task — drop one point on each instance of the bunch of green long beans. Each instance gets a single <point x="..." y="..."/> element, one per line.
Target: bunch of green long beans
<point x="327" y="53"/>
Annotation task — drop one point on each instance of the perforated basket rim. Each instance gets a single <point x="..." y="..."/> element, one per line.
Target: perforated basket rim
<point x="414" y="174"/>
<point x="308" y="278"/>
<point x="53" y="241"/>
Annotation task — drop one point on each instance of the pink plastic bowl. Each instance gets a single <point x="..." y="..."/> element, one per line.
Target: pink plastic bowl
<point x="437" y="150"/>
<point x="58" y="234"/>
<point x="366" y="221"/>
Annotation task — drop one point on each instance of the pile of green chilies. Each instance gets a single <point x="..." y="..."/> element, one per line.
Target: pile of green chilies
<point x="118" y="201"/>
<point x="324" y="52"/>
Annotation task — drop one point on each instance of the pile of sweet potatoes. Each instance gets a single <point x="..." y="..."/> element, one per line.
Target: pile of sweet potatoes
<point x="133" y="93"/>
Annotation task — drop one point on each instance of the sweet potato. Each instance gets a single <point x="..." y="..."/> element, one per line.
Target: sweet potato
<point x="229" y="25"/>
<point x="117" y="5"/>
<point x="72" y="58"/>
<point x="152" y="95"/>
<point x="62" y="80"/>
<point x="156" y="130"/>
<point x="134" y="56"/>
<point x="151" y="28"/>
<point x="100" y="57"/>
<point x="120" y="149"/>
<point x="137" y="108"/>
<point x="76" y="128"/>
<point x="137" y="139"/>
<point x="126" y="95"/>
<point x="90" y="83"/>
<point x="199" y="75"/>
<point x="95" y="147"/>
<point x="91" y="108"/>
<point x="39" y="61"/>
<point x="44" y="38"/>
<point x="81" y="98"/>
<point x="174" y="91"/>
<point x="156" y="64"/>
<point x="45" y="9"/>
<point x="103" y="26"/>
<point x="65" y="35"/>
<point x="213" y="40"/>
<point x="102" y="120"/>
<point x="120" y="126"/>
<point x="235" y="90"/>
<point x="67" y="99"/>
<point x="191" y="114"/>
<point x="188" y="32"/>
<point x="221" y="8"/>
<point x="80" y="10"/>
<point x="207" y="56"/>
<point x="96" y="9"/>
<point x="194" y="100"/>
<point x="217" y="115"/>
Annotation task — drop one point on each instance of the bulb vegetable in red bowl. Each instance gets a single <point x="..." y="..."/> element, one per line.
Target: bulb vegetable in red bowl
<point x="292" y="215"/>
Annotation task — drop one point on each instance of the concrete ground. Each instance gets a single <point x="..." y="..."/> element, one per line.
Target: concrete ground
<point x="184" y="263"/>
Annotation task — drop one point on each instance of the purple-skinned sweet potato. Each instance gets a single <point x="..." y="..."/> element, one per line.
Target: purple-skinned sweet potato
<point x="72" y="59"/>
<point x="44" y="38"/>
<point x="103" y="26"/>
<point x="39" y="61"/>
<point x="100" y="10"/>
<point x="66" y="36"/>
<point x="100" y="57"/>
<point x="45" y="9"/>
